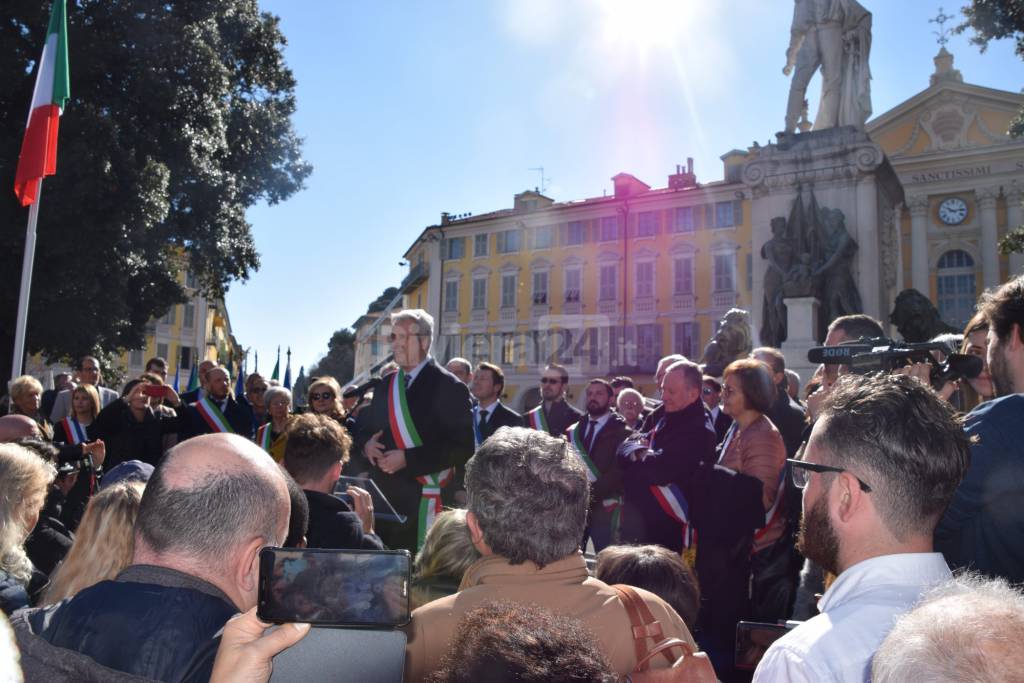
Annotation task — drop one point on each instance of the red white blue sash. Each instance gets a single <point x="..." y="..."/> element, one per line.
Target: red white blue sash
<point x="430" y="501"/>
<point x="211" y="414"/>
<point x="264" y="436"/>
<point x="535" y="419"/>
<point x="478" y="437"/>
<point x="673" y="503"/>
<point x="575" y="434"/>
<point x="775" y="511"/>
<point x="74" y="431"/>
<point x="399" y="416"/>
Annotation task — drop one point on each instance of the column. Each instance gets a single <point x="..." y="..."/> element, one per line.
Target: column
<point x="863" y="227"/>
<point x="986" y="198"/>
<point x="1014" y="218"/>
<point x="919" y="244"/>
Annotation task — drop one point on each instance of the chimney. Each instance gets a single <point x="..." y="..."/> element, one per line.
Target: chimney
<point x="683" y="179"/>
<point x="445" y="218"/>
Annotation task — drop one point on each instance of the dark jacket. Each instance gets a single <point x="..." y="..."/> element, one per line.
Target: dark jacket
<point x="85" y="485"/>
<point x="560" y="416"/>
<point x="332" y="524"/>
<point x="722" y="424"/>
<point x="128" y="439"/>
<point x="50" y="540"/>
<point x="501" y="416"/>
<point x="152" y="622"/>
<point x="603" y="455"/>
<point x="440" y="408"/>
<point x="788" y="417"/>
<point x="683" y="453"/>
<point x="983" y="527"/>
<point x="237" y="412"/>
<point x="13" y="594"/>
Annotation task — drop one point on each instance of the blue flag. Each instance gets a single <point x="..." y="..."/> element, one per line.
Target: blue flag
<point x="240" y="383"/>
<point x="288" y="371"/>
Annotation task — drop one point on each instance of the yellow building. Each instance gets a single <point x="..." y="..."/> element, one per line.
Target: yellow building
<point x="604" y="286"/>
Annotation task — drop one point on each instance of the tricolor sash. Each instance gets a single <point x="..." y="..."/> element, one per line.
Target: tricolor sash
<point x="264" y="436"/>
<point x="775" y="510"/>
<point x="575" y="434"/>
<point x="478" y="438"/>
<point x="74" y="430"/>
<point x="535" y="419"/>
<point x="614" y="506"/>
<point x="430" y="501"/>
<point x="673" y="503"/>
<point x="399" y="417"/>
<point x="211" y="414"/>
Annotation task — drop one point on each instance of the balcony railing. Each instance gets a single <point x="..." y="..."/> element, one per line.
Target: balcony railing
<point x="683" y="303"/>
<point x="416" y="275"/>
<point x="723" y="299"/>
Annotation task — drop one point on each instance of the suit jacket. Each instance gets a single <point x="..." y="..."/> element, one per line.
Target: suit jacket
<point x="788" y="417"/>
<point x="332" y="524"/>
<point x="237" y="412"/>
<point x="722" y="424"/>
<point x="501" y="416"/>
<point x="560" y="417"/>
<point x="440" y="408"/>
<point x="62" y="404"/>
<point x="603" y="455"/>
<point x="190" y="397"/>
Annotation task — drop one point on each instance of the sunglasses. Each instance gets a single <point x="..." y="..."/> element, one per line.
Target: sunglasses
<point x="326" y="396"/>
<point x="707" y="391"/>
<point x="550" y="380"/>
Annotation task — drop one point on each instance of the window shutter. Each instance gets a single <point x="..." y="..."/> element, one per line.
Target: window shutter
<point x="709" y="216"/>
<point x="737" y="212"/>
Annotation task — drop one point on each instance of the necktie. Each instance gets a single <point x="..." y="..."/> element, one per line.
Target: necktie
<point x="588" y="438"/>
<point x="408" y="381"/>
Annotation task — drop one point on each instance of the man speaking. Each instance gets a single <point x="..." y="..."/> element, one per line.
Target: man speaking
<point x="417" y="429"/>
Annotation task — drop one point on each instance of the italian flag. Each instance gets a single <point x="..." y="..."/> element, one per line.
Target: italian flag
<point x="53" y="87"/>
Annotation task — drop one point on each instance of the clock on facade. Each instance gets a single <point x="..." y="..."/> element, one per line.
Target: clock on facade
<point x="953" y="211"/>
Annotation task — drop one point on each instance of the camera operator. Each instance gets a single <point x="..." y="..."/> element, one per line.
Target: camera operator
<point x="843" y="329"/>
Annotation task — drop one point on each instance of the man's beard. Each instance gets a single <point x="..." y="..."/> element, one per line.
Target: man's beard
<point x="817" y="538"/>
<point x="596" y="410"/>
<point x="1002" y="380"/>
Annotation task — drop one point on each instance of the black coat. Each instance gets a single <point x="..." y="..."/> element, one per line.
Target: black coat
<point x="237" y="412"/>
<point x="501" y="416"/>
<point x="686" y="442"/>
<point x="50" y="540"/>
<point x="788" y="417"/>
<point x="722" y="424"/>
<point x="440" y="408"/>
<point x="332" y="524"/>
<point x="603" y="455"/>
<point x="559" y="417"/>
<point x="128" y="439"/>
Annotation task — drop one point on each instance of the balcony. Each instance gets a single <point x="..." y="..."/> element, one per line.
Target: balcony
<point x="723" y="299"/>
<point x="608" y="306"/>
<point x="683" y="303"/>
<point x="417" y="275"/>
<point x="508" y="314"/>
<point x="645" y="304"/>
<point x="478" y="315"/>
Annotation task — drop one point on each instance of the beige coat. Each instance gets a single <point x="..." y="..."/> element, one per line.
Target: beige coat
<point x="562" y="586"/>
<point x="759" y="451"/>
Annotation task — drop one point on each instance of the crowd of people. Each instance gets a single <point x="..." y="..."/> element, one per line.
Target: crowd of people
<point x="875" y="516"/>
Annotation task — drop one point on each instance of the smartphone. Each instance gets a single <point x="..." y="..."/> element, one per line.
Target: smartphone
<point x="154" y="390"/>
<point x="753" y="639"/>
<point x="344" y="588"/>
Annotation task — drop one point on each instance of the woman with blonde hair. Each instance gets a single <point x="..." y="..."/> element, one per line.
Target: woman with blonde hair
<point x="103" y="545"/>
<point x="26" y="397"/>
<point x="325" y="398"/>
<point x="447" y="553"/>
<point x="26" y="478"/>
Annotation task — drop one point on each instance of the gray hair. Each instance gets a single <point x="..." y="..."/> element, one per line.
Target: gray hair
<point x="529" y="494"/>
<point x="670" y="359"/>
<point x="424" y="321"/>
<point x="690" y="372"/>
<point x="466" y="365"/>
<point x="968" y="629"/>
<point x="274" y="392"/>
<point x="628" y="391"/>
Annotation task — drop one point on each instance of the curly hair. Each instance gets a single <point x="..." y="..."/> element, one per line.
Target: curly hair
<point x="26" y="477"/>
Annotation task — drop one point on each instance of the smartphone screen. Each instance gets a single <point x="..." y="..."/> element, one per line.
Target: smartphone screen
<point x="154" y="390"/>
<point x="357" y="588"/>
<point x="752" y="640"/>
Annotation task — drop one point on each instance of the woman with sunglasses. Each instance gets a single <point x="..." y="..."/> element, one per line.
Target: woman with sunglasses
<point x="324" y="398"/>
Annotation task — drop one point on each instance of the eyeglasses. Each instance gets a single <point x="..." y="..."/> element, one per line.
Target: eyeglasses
<point x="728" y="391"/>
<point x="550" y="380"/>
<point x="801" y="470"/>
<point x="707" y="391"/>
<point x="394" y="337"/>
<point x="326" y="396"/>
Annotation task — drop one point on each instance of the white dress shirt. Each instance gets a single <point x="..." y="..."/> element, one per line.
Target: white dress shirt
<point x="857" y="612"/>
<point x="410" y="376"/>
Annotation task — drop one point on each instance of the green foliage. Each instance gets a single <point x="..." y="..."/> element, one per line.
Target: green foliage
<point x="179" y="119"/>
<point x="994" y="20"/>
<point x="340" y="360"/>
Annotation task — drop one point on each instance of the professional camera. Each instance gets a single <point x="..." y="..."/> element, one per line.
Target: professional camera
<point x="881" y="354"/>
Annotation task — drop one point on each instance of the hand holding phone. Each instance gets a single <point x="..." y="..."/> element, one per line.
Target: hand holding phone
<point x="154" y="390"/>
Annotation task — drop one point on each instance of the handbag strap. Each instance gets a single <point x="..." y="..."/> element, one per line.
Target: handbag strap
<point x="644" y="626"/>
<point x="664" y="647"/>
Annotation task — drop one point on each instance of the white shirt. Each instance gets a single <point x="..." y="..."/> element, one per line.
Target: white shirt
<point x="410" y="376"/>
<point x="598" y="424"/>
<point x="484" y="414"/>
<point x="857" y="612"/>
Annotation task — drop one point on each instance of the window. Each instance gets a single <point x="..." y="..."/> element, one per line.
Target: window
<point x="683" y="280"/>
<point x="508" y="241"/>
<point x="645" y="279"/>
<point x="456" y="248"/>
<point x="185" y="357"/>
<point x="508" y="348"/>
<point x="647" y="224"/>
<point x="725" y="267"/>
<point x="607" y="284"/>
<point x="451" y="296"/>
<point x="479" y="293"/>
<point x="135" y="358"/>
<point x="956" y="287"/>
<point x="648" y="345"/>
<point x="684" y="219"/>
<point x="540" y="288"/>
<point x="543" y="237"/>
<point x="480" y="245"/>
<point x="169" y="317"/>
<point x="575" y="233"/>
<point x="508" y="291"/>
<point x="609" y="228"/>
<point x="723" y="215"/>
<point x="162" y="350"/>
<point x="189" y="317"/>
<point x="573" y="277"/>
<point x="687" y="340"/>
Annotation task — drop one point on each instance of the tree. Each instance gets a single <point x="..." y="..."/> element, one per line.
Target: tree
<point x="340" y="360"/>
<point x="179" y="120"/>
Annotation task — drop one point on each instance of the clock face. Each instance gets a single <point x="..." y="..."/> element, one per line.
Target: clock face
<point x="953" y="211"/>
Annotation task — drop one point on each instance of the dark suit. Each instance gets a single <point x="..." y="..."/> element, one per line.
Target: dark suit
<point x="501" y="416"/>
<point x="332" y="524"/>
<point x="237" y="412"/>
<point x="190" y="397"/>
<point x="788" y="417"/>
<point x="609" y="483"/>
<point x="559" y="417"/>
<point x="440" y="408"/>
<point x="722" y="424"/>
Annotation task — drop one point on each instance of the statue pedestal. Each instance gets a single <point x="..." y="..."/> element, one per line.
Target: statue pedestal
<point x="847" y="171"/>
<point x="802" y="324"/>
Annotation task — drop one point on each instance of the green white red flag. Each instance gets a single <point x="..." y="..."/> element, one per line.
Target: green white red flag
<point x="53" y="87"/>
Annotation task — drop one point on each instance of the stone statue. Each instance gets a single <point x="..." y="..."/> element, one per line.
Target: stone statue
<point x="834" y="35"/>
<point x="781" y="254"/>
<point x="732" y="340"/>
<point x="916" y="317"/>
<point x="835" y="250"/>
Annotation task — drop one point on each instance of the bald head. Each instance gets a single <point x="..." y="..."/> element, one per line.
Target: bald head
<point x="14" y="427"/>
<point x="212" y="500"/>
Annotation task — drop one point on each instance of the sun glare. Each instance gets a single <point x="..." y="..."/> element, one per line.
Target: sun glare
<point x="645" y="24"/>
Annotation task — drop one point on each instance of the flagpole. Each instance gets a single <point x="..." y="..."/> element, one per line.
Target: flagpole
<point x="26" y="285"/>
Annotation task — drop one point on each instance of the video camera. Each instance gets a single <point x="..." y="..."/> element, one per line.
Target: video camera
<point x="881" y="354"/>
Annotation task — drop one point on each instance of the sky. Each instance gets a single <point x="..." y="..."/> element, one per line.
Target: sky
<point x="410" y="108"/>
